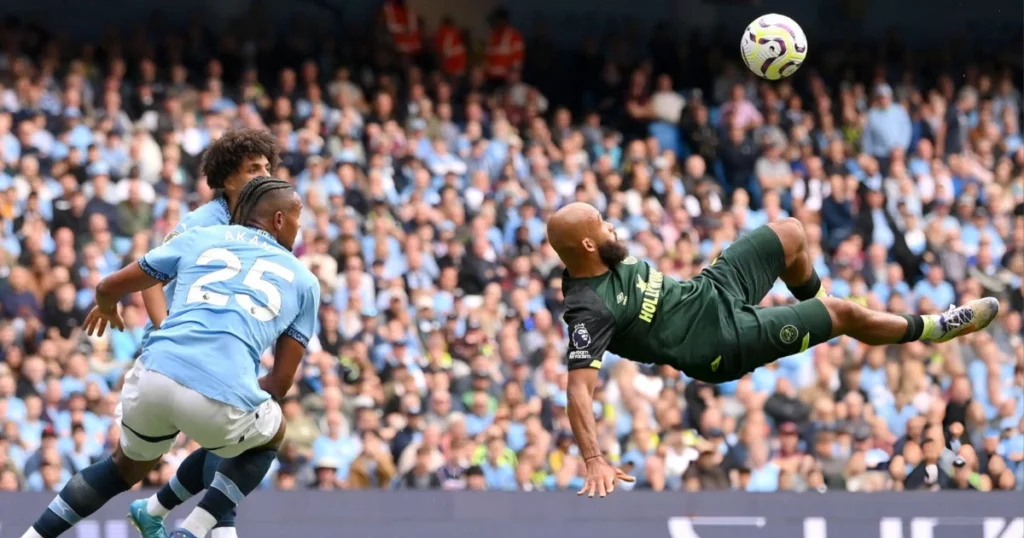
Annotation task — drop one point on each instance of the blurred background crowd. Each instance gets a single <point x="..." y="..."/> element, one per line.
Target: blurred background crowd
<point x="429" y="160"/>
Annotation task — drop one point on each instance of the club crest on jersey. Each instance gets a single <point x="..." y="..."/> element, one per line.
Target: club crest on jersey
<point x="629" y="260"/>
<point x="580" y="336"/>
<point x="789" y="334"/>
<point x="620" y="298"/>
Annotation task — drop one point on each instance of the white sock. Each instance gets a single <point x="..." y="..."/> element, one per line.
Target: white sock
<point x="199" y="522"/>
<point x="154" y="508"/>
<point x="31" y="533"/>
<point x="224" y="532"/>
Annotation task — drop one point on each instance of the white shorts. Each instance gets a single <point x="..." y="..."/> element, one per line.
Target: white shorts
<point x="154" y="409"/>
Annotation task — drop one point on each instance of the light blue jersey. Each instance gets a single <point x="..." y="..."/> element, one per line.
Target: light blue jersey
<point x="236" y="291"/>
<point x="212" y="213"/>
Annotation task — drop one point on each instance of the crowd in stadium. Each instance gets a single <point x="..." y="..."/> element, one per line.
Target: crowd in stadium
<point x="428" y="169"/>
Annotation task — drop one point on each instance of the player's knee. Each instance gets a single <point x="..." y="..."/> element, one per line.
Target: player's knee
<point x="791" y="234"/>
<point x="843" y="313"/>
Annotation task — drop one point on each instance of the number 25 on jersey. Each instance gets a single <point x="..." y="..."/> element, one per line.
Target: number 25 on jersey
<point x="253" y="280"/>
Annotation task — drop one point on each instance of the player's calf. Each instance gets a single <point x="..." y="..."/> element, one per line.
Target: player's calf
<point x="194" y="474"/>
<point x="235" y="479"/>
<point x="186" y="482"/>
<point x="87" y="492"/>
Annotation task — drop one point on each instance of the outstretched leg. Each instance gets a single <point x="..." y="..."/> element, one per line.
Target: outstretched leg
<point x="879" y="328"/>
<point x="765" y="335"/>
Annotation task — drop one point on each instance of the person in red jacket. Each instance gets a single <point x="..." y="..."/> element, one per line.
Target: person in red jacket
<point x="403" y="26"/>
<point x="505" y="47"/>
<point x="450" y="48"/>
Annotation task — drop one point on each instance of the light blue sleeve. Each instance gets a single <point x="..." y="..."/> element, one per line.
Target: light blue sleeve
<point x="162" y="262"/>
<point x="303" y="327"/>
<point x="906" y="130"/>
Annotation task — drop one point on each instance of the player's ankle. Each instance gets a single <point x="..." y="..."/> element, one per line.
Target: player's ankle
<point x="932" y="327"/>
<point x="155" y="508"/>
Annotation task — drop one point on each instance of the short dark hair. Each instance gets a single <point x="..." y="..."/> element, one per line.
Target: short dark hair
<point x="228" y="152"/>
<point x="251" y="194"/>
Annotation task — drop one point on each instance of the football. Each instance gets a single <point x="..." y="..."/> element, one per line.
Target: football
<point x="773" y="46"/>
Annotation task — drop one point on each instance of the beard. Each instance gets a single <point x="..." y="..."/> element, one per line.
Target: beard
<point x="612" y="253"/>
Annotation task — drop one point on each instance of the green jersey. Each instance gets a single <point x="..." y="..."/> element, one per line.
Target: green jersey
<point x="635" y="311"/>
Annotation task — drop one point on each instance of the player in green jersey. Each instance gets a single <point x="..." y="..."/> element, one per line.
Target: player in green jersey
<point x="710" y="327"/>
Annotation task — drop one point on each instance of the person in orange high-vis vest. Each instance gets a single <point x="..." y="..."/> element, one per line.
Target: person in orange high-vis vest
<point x="450" y="48"/>
<point x="505" y="47"/>
<point x="403" y="27"/>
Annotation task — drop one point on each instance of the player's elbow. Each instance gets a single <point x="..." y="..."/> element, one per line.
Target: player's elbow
<point x="105" y="287"/>
<point x="581" y="383"/>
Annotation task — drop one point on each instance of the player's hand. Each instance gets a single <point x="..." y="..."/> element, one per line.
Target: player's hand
<point x="97" y="320"/>
<point x="601" y="478"/>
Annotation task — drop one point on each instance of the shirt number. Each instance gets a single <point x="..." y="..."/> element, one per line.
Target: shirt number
<point x="253" y="280"/>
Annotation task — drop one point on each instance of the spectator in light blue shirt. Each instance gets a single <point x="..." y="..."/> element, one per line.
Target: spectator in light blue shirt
<point x="935" y="288"/>
<point x="480" y="416"/>
<point x="873" y="374"/>
<point x="77" y="376"/>
<point x="499" y="473"/>
<point x="315" y="177"/>
<point x="336" y="445"/>
<point x="764" y="475"/>
<point x="888" y="125"/>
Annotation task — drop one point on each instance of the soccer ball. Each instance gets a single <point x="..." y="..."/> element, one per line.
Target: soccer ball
<point x="773" y="46"/>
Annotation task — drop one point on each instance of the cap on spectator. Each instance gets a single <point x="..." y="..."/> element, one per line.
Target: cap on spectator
<point x="883" y="90"/>
<point x="424" y="303"/>
<point x="363" y="401"/>
<point x="98" y="168"/>
<point x="49" y="431"/>
<point x="327" y="463"/>
<point x="418" y="124"/>
<point x="474" y="470"/>
<point x="715" y="433"/>
<point x="314" y="159"/>
<point x="72" y="112"/>
<point x="788" y="428"/>
<point x="369" y="312"/>
<point x="861" y="432"/>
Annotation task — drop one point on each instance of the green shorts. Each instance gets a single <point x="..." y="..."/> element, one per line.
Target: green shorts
<point x="753" y="335"/>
